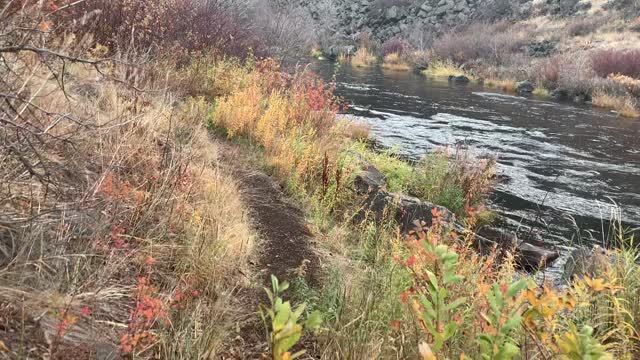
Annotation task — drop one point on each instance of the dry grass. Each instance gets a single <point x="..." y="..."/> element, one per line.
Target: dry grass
<point x="363" y="58"/>
<point x="356" y="130"/>
<point x="631" y="85"/>
<point x="625" y="106"/>
<point x="344" y="58"/>
<point x="142" y="198"/>
<point x="506" y="85"/>
<point x="443" y="69"/>
<point x="393" y="61"/>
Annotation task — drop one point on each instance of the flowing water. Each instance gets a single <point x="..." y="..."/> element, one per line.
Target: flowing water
<point x="561" y="166"/>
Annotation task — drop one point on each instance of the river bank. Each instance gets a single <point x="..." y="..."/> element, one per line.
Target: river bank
<point x="166" y="193"/>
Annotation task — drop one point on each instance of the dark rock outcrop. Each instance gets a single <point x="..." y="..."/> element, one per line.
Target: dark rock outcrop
<point x="410" y="213"/>
<point x="460" y="79"/>
<point x="525" y="88"/>
<point x="585" y="262"/>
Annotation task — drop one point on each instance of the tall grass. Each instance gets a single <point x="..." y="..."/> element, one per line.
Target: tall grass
<point x="363" y="58"/>
<point x="443" y="69"/>
<point x="626" y="106"/>
<point x="393" y="61"/>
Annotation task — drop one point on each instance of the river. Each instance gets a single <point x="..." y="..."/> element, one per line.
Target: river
<point x="561" y="167"/>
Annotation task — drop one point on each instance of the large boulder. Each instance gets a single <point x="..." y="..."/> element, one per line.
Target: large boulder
<point x="529" y="256"/>
<point x="369" y="180"/>
<point x="525" y="88"/>
<point x="411" y="213"/>
<point x="585" y="262"/>
<point x="459" y="79"/>
<point x="408" y="211"/>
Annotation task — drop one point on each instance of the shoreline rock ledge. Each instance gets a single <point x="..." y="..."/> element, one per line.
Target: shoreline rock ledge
<point x="379" y="204"/>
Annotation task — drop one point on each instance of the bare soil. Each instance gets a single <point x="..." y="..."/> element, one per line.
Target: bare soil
<point x="285" y="245"/>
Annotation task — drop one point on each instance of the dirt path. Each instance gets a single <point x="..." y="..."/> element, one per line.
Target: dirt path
<point x="285" y="243"/>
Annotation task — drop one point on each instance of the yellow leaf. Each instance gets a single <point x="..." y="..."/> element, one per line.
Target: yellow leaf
<point x="596" y="285"/>
<point x="3" y="347"/>
<point x="425" y="351"/>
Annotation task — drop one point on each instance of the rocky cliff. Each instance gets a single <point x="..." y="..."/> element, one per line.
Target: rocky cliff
<point x="345" y="20"/>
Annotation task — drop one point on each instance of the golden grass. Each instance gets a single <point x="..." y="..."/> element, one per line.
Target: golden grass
<point x="393" y="61"/>
<point x="363" y="58"/>
<point x="625" y="106"/>
<point x="344" y="58"/>
<point x="628" y="83"/>
<point x="542" y="92"/>
<point x="443" y="69"/>
<point x="506" y="85"/>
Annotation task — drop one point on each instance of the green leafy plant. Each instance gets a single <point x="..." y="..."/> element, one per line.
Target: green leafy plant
<point x="581" y="345"/>
<point x="284" y="324"/>
<point x="502" y="320"/>
<point x="433" y="272"/>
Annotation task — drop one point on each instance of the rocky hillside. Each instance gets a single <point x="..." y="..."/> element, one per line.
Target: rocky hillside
<point x="345" y="20"/>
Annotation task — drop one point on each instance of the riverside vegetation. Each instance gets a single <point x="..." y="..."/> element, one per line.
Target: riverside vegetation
<point x="121" y="233"/>
<point x="590" y="56"/>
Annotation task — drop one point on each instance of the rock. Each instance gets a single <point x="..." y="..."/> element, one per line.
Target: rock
<point x="531" y="257"/>
<point x="528" y="256"/>
<point x="411" y="212"/>
<point x="406" y="210"/>
<point x="369" y="180"/>
<point x="393" y="13"/>
<point x="585" y="262"/>
<point x="524" y="88"/>
<point x="461" y="79"/>
<point x="543" y="48"/>
<point x="560" y="94"/>
<point x="581" y="98"/>
<point x="582" y="5"/>
<point x="426" y="7"/>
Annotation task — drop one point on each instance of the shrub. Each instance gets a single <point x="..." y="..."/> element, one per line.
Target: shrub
<point x="456" y="180"/>
<point x="582" y="26"/>
<point x="624" y="62"/>
<point x="480" y="41"/>
<point x="395" y="46"/>
<point x="168" y="24"/>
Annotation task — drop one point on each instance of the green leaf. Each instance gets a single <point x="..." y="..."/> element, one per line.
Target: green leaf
<point x="283" y="313"/>
<point x="507" y="352"/>
<point x="516" y="287"/>
<point x="511" y="324"/>
<point x="453" y="305"/>
<point x="298" y="354"/>
<point x="314" y="320"/>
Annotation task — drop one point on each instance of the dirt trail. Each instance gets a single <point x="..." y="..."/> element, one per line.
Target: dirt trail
<point x="285" y="242"/>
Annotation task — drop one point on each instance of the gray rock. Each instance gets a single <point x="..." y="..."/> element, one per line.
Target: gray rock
<point x="560" y="94"/>
<point x="461" y="79"/>
<point x="408" y="211"/>
<point x="531" y="257"/>
<point x="583" y="5"/>
<point x="524" y="88"/>
<point x="369" y="180"/>
<point x="585" y="262"/>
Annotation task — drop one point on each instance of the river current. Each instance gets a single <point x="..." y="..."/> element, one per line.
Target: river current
<point x="563" y="169"/>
